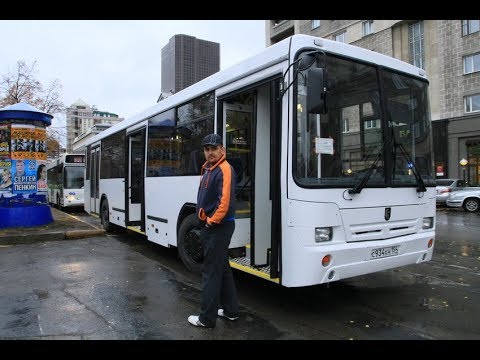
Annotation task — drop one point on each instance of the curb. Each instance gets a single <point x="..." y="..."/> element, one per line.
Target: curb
<point x="80" y="234"/>
<point x="50" y="236"/>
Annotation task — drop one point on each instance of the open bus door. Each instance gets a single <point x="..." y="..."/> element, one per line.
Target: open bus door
<point x="135" y="191"/>
<point x="251" y="120"/>
<point x="94" y="169"/>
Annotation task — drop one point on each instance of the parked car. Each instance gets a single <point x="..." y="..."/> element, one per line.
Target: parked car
<point x="469" y="199"/>
<point x="445" y="187"/>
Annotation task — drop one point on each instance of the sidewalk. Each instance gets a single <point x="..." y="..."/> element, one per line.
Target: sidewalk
<point x="64" y="227"/>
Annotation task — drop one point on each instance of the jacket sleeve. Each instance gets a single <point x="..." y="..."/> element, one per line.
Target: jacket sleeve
<point x="224" y="187"/>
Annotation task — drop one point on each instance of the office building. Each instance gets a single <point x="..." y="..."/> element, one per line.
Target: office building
<point x="187" y="60"/>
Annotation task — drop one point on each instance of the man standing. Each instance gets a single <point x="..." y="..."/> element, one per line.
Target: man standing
<point x="215" y="201"/>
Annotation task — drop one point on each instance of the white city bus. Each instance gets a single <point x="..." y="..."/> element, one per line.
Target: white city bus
<point x="332" y="150"/>
<point x="65" y="181"/>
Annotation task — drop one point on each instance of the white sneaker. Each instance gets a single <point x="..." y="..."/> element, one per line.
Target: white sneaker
<point x="222" y="314"/>
<point x="195" y="321"/>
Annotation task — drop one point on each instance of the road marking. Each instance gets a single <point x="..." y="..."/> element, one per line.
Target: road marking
<point x="39" y="326"/>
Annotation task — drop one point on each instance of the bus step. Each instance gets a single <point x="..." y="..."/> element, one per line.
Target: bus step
<point x="136" y="229"/>
<point x="243" y="264"/>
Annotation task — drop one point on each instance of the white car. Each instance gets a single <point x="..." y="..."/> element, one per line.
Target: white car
<point x="445" y="187"/>
<point x="469" y="199"/>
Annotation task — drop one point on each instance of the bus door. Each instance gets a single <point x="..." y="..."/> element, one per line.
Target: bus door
<point x="238" y="118"/>
<point x="94" y="169"/>
<point x="135" y="214"/>
<point x="253" y="149"/>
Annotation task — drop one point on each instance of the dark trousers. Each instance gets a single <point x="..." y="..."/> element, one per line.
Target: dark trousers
<point x="217" y="279"/>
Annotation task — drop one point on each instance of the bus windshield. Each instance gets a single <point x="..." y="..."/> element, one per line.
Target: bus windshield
<point x="73" y="177"/>
<point x="370" y="112"/>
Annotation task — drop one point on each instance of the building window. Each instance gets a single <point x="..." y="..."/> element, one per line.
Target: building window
<point x="471" y="63"/>
<point x="315" y="24"/>
<point x="367" y="27"/>
<point x="341" y="37"/>
<point x="470" y="26"/>
<point x="371" y="124"/>
<point x="346" y="125"/>
<point x="472" y="103"/>
<point x="417" y="47"/>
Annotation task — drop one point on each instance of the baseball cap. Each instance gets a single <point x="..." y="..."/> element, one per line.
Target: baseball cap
<point x="212" y="139"/>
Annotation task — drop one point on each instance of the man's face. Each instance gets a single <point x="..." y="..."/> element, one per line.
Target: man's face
<point x="213" y="153"/>
<point x="20" y="167"/>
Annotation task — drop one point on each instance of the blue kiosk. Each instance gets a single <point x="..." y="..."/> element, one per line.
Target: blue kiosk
<point x="23" y="173"/>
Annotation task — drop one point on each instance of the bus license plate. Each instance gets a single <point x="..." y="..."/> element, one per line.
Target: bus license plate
<point x="384" y="252"/>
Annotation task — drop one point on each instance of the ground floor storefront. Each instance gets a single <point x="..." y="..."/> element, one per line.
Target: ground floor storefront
<point x="457" y="148"/>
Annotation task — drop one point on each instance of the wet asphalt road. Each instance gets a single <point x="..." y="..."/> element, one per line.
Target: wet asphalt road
<point x="124" y="287"/>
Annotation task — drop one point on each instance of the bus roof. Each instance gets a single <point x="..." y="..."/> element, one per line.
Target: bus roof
<point x="271" y="55"/>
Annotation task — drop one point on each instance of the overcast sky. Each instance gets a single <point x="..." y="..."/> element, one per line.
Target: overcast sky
<point x="116" y="64"/>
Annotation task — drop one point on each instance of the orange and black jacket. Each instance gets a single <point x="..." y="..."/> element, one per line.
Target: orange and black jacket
<point x="216" y="194"/>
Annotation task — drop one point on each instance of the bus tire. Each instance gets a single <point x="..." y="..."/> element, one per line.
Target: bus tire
<point x="105" y="216"/>
<point x="189" y="244"/>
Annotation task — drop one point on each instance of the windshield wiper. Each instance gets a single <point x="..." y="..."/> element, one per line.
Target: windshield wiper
<point x="360" y="185"/>
<point x="420" y="184"/>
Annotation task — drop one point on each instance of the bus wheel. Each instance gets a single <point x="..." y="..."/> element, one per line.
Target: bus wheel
<point x="189" y="244"/>
<point x="104" y="216"/>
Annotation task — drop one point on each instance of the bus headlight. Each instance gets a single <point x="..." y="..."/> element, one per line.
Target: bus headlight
<point x="70" y="197"/>
<point x="323" y="234"/>
<point x="427" y="223"/>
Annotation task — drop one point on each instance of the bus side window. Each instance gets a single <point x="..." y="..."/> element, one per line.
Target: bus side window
<point x="195" y="163"/>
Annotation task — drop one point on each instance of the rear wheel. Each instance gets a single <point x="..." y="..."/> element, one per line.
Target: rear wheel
<point x="105" y="216"/>
<point x="471" y="205"/>
<point x="189" y="244"/>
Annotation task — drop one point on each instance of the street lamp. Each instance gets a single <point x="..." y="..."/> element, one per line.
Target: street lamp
<point x="463" y="163"/>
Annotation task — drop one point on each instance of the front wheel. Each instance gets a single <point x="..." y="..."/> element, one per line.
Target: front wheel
<point x="189" y="244"/>
<point x="471" y="205"/>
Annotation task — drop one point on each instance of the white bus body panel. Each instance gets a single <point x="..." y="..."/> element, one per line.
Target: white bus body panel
<point x="160" y="191"/>
<point x="303" y="265"/>
<point x="73" y="197"/>
<point x="356" y="231"/>
<point x="86" y="195"/>
<point x="114" y="190"/>
<point x="163" y="200"/>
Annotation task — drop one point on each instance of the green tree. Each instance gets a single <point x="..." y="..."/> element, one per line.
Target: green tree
<point x="22" y="85"/>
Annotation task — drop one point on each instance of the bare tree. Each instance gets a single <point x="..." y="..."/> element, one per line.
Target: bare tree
<point x="22" y="85"/>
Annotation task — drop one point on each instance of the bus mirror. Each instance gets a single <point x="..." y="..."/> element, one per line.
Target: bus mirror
<point x="306" y="61"/>
<point x="317" y="91"/>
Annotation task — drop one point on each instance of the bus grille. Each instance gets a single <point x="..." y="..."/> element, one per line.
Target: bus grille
<point x="383" y="230"/>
